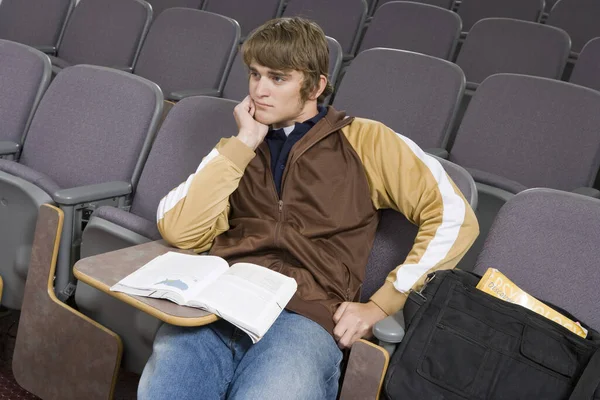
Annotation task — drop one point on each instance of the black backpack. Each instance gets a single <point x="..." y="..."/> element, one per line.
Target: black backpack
<point x="462" y="343"/>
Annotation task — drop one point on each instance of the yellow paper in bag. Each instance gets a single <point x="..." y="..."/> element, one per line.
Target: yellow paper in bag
<point x="498" y="285"/>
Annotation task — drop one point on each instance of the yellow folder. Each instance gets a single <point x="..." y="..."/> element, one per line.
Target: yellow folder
<point x="498" y="285"/>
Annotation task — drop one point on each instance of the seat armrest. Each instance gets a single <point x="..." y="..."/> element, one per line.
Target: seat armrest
<point x="588" y="191"/>
<point x="50" y="50"/>
<point x="9" y="148"/>
<point x="84" y="194"/>
<point x="56" y="70"/>
<point x="472" y="86"/>
<point x="124" y="68"/>
<point x="390" y="329"/>
<point x="182" y="94"/>
<point x="438" y="152"/>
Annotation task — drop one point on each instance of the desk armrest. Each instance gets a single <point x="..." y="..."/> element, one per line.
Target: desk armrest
<point x="123" y="68"/>
<point x="182" y="94"/>
<point x="9" y="148"/>
<point x="438" y="152"/>
<point x="51" y="50"/>
<point x="390" y="329"/>
<point x="84" y="194"/>
<point x="588" y="191"/>
<point x="472" y="86"/>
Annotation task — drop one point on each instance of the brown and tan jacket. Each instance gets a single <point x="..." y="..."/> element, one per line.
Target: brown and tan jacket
<point x="320" y="231"/>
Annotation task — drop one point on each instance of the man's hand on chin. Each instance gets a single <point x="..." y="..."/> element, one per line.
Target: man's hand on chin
<point x="354" y="321"/>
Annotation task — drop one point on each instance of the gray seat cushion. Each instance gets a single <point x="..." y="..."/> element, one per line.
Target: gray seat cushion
<point x="129" y="221"/>
<point x="495" y="180"/>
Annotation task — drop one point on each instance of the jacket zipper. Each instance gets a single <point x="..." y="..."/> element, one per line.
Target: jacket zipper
<point x="279" y="222"/>
<point x="279" y="199"/>
<point x="279" y="208"/>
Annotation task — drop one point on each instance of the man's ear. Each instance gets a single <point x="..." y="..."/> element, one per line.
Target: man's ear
<point x="320" y="88"/>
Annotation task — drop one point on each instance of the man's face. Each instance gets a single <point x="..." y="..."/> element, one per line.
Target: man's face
<point x="276" y="95"/>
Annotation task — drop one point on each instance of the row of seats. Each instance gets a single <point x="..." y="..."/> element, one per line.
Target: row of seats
<point x="21" y="21"/>
<point x="577" y="17"/>
<point x="423" y="94"/>
<point x="189" y="52"/>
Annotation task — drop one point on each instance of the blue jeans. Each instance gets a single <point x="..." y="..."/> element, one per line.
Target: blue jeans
<point x="296" y="359"/>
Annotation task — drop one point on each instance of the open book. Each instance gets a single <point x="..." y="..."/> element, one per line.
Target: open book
<point x="249" y="296"/>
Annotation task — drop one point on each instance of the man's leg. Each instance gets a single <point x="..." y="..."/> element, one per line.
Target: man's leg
<point x="297" y="359"/>
<point x="189" y="363"/>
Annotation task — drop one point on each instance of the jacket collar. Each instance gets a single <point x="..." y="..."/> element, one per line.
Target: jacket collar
<point x="330" y="123"/>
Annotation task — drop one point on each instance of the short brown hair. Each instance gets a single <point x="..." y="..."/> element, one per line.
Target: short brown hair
<point x="291" y="44"/>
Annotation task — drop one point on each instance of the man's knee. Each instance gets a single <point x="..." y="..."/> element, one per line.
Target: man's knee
<point x="300" y="361"/>
<point x="297" y="382"/>
<point x="185" y="361"/>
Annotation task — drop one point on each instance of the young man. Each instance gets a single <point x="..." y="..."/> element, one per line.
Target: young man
<point x="297" y="191"/>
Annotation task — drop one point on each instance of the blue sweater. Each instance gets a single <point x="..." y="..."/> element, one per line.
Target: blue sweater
<point x="280" y="145"/>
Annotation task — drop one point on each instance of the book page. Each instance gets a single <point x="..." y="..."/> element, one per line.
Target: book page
<point x="173" y="276"/>
<point x="249" y="296"/>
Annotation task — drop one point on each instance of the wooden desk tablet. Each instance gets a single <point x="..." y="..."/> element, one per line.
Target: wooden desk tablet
<point x="59" y="352"/>
<point x="104" y="270"/>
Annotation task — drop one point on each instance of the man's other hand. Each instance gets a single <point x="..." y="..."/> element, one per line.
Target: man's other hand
<point x="354" y="321"/>
<point x="251" y="132"/>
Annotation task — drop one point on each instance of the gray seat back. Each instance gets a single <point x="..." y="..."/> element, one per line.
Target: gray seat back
<point x="341" y="19"/>
<point x="471" y="11"/>
<point x="497" y="45"/>
<point x="27" y="22"/>
<point x="188" y="50"/>
<point x="249" y="14"/>
<point x="24" y="76"/>
<point x="447" y="4"/>
<point x="587" y="68"/>
<point x="93" y="125"/>
<point x="422" y="28"/>
<point x="105" y="32"/>
<point x="414" y="94"/>
<point x="236" y="85"/>
<point x="546" y="242"/>
<point x="190" y="131"/>
<point x="158" y="6"/>
<point x="336" y="56"/>
<point x="579" y="18"/>
<point x="395" y="234"/>
<point x="535" y="131"/>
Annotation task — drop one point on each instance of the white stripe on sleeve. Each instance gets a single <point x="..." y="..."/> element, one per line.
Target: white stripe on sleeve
<point x="452" y="219"/>
<point x="175" y="195"/>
